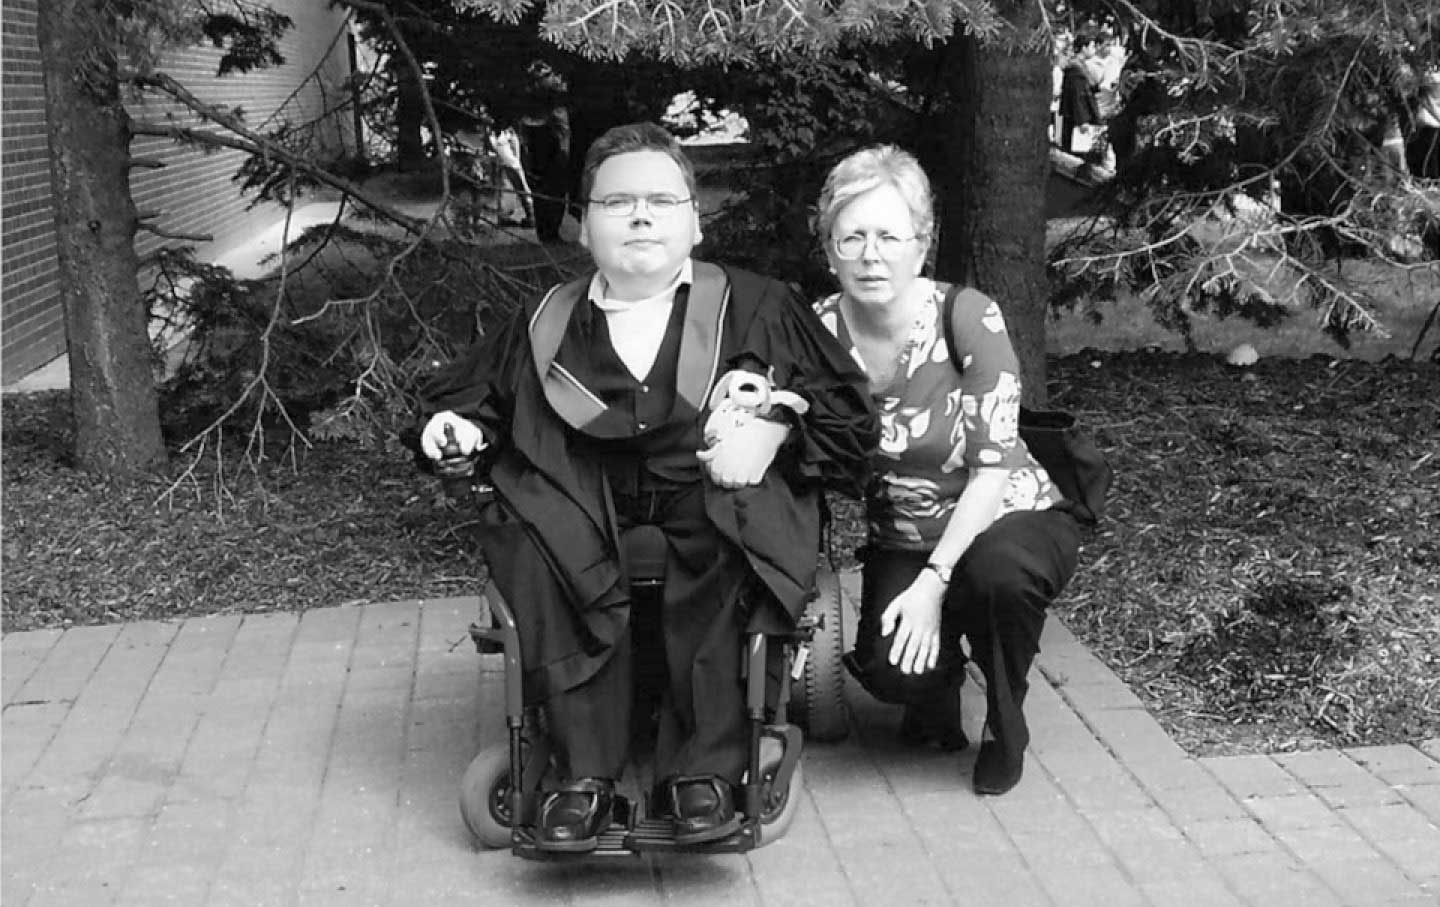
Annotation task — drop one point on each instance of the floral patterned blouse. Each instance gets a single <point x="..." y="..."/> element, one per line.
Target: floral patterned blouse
<point x="938" y="424"/>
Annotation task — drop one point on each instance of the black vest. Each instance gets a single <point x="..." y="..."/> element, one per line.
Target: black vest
<point x="653" y="434"/>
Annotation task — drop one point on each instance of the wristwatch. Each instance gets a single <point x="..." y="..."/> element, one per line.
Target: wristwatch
<point x="942" y="572"/>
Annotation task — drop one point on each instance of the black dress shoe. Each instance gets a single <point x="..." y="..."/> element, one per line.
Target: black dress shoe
<point x="936" y="724"/>
<point x="703" y="809"/>
<point x="572" y="817"/>
<point x="997" y="768"/>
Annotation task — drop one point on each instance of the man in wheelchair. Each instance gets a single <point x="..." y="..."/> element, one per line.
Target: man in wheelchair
<point x="658" y="391"/>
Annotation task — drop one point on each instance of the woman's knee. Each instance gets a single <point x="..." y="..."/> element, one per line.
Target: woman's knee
<point x="1024" y="562"/>
<point x="887" y="683"/>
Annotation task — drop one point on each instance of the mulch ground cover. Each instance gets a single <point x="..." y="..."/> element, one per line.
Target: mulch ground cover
<point x="1268" y="576"/>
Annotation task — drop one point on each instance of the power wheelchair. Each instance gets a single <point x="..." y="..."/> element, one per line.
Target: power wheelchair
<point x="502" y="788"/>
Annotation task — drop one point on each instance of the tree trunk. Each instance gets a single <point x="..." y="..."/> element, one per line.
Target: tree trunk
<point x="409" y="118"/>
<point x="112" y="384"/>
<point x="991" y="179"/>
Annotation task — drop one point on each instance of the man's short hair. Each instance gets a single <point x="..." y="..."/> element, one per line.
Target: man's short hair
<point x="634" y="137"/>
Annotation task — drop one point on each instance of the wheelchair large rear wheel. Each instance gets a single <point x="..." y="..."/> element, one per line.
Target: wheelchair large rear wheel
<point x="485" y="802"/>
<point x="818" y="697"/>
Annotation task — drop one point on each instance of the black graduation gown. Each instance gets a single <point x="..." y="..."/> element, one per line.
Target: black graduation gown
<point x="549" y="540"/>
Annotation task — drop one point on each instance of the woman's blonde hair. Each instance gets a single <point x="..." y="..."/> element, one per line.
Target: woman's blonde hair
<point x="878" y="165"/>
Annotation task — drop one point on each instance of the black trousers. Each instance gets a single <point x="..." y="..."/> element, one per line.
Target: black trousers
<point x="998" y="596"/>
<point x="701" y="631"/>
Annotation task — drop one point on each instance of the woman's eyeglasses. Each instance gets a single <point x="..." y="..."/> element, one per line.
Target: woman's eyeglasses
<point x="887" y="246"/>
<point x="626" y="205"/>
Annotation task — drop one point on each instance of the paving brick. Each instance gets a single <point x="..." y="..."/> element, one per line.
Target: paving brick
<point x="1389" y="823"/>
<point x="1325" y="843"/>
<point x="228" y="733"/>
<point x="1081" y="886"/>
<point x="703" y="882"/>
<point x="68" y="664"/>
<point x="29" y="728"/>
<point x="1410" y="846"/>
<point x="959" y="828"/>
<point x="1230" y="837"/>
<point x="1066" y="660"/>
<point x="781" y="868"/>
<point x="1252" y="776"/>
<point x="994" y="880"/>
<point x="454" y="883"/>
<point x="34" y="822"/>
<point x="800" y="869"/>
<point x="1199" y="890"/>
<point x="256" y="874"/>
<point x="196" y="832"/>
<point x="1094" y="695"/>
<point x="386" y="637"/>
<point x="20" y="655"/>
<point x="195" y="657"/>
<point x="858" y="815"/>
<point x="1133" y="735"/>
<point x="1337" y="779"/>
<point x="1035" y="829"/>
<point x="1423" y="797"/>
<point x="1162" y="772"/>
<point x="436" y="756"/>
<point x="1292" y="811"/>
<point x="1366" y="881"/>
<point x="1114" y="790"/>
<point x="175" y="881"/>
<point x="1063" y="736"/>
<point x="1319" y="768"/>
<point x="890" y="869"/>
<point x="1261" y="879"/>
<point x="1206" y="801"/>
<point x="1397" y="764"/>
<point x="1147" y="844"/>
<point x="90" y="863"/>
<point x="1431" y="748"/>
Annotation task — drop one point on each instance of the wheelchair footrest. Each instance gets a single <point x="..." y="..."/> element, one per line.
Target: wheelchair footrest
<point x="486" y="639"/>
<point x="612" y="843"/>
<point x="658" y="836"/>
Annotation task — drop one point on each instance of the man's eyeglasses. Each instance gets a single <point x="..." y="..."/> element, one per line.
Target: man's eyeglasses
<point x="626" y="205"/>
<point x="887" y="246"/>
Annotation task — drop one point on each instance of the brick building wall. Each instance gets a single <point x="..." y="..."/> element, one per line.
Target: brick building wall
<point x="193" y="194"/>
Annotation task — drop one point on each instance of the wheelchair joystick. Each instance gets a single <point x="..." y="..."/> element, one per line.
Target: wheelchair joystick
<point x="456" y="469"/>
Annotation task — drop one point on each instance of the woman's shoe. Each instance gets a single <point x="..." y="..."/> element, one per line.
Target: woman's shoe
<point x="936" y="724"/>
<point x="997" y="769"/>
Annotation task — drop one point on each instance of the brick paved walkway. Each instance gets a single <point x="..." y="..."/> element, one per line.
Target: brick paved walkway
<point x="314" y="759"/>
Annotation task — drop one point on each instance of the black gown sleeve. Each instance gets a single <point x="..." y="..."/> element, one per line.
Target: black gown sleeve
<point x="836" y="436"/>
<point x="480" y="384"/>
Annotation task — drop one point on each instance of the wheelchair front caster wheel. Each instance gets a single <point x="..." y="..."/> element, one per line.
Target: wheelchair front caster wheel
<point x="485" y="802"/>
<point x="779" y="805"/>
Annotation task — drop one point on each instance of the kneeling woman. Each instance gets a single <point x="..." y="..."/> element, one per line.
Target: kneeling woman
<point x="965" y="536"/>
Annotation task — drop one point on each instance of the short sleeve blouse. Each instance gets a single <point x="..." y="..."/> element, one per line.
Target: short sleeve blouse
<point x="939" y="423"/>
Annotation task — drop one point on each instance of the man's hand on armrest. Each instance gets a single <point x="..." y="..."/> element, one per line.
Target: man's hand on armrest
<point x="467" y="435"/>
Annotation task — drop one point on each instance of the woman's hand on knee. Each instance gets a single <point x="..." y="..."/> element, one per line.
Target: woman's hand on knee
<point x="914" y="617"/>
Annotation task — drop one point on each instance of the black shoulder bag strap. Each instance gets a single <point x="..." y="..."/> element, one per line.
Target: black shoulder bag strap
<point x="1069" y="455"/>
